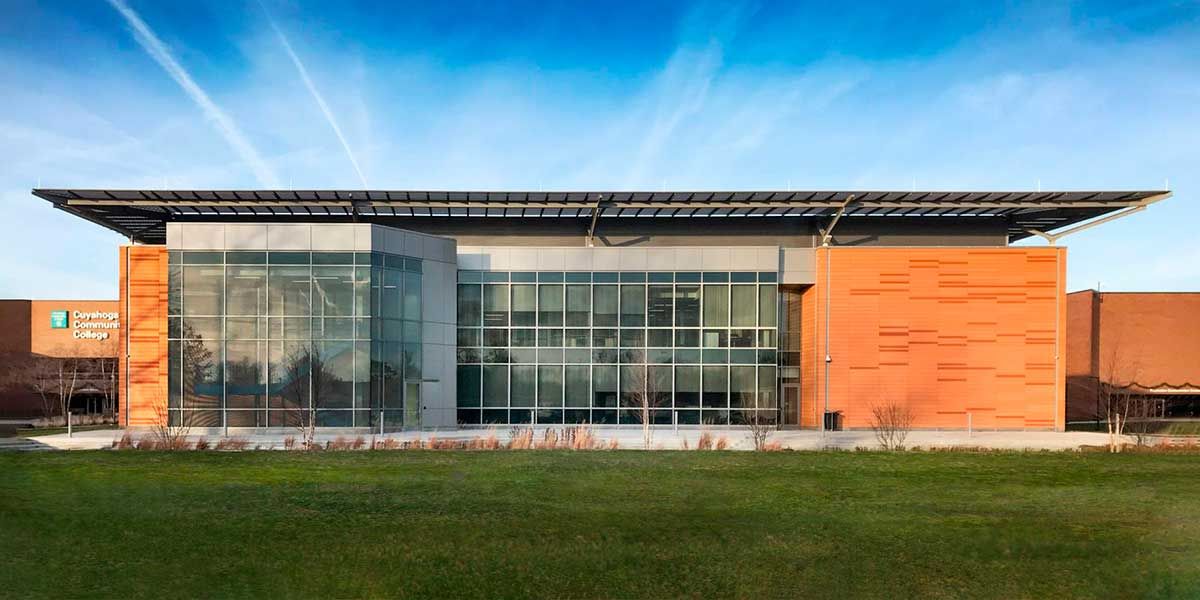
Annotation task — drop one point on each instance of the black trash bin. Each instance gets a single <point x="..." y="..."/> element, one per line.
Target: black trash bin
<point x="833" y="420"/>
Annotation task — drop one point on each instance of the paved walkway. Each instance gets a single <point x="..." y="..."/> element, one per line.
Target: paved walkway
<point x="631" y="438"/>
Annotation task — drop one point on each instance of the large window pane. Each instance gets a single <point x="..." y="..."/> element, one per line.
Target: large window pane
<point x="412" y="296"/>
<point x="524" y="305"/>
<point x="579" y="305"/>
<point x="633" y="305"/>
<point x="202" y="373"/>
<point x="245" y="374"/>
<point x="658" y="386"/>
<point x="604" y="386"/>
<point x="660" y="301"/>
<point x="245" y="290"/>
<point x="495" y="305"/>
<point x="743" y="301"/>
<point x="391" y="301"/>
<point x="495" y="386"/>
<point x="687" y="305"/>
<point x="469" y="381"/>
<point x="767" y="295"/>
<point x="288" y="291"/>
<point x="550" y="305"/>
<point x="687" y="387"/>
<point x="333" y="289"/>
<point x="203" y="290"/>
<point x="766" y="388"/>
<point x="604" y="306"/>
<point x="332" y="374"/>
<point x="550" y="386"/>
<point x="716" y="382"/>
<point x="523" y="385"/>
<point x="716" y="306"/>
<point x="633" y="385"/>
<point x="741" y="387"/>
<point x="470" y="305"/>
<point x="576" y="385"/>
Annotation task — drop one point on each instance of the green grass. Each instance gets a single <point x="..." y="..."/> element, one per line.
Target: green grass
<point x="599" y="524"/>
<point x="40" y="431"/>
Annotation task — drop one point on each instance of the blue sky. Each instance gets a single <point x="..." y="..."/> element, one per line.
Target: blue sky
<point x="653" y="95"/>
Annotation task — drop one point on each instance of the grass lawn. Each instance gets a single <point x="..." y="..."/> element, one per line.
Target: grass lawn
<point x="599" y="524"/>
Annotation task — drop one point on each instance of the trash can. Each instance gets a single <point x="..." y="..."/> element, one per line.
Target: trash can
<point x="833" y="420"/>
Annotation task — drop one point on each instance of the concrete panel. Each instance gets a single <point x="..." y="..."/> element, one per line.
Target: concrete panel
<point x="470" y="261"/>
<point x="246" y="237"/>
<point x="550" y="259"/>
<point x="715" y="259"/>
<point x="606" y="259"/>
<point x="439" y="249"/>
<point x="174" y="235"/>
<point x="768" y="259"/>
<point x="362" y="238"/>
<point x="577" y="259"/>
<point x="203" y="236"/>
<point x="632" y="259"/>
<point x="393" y="241"/>
<point x="798" y="266"/>
<point x="289" y="237"/>
<point x="333" y="238"/>
<point x="523" y="259"/>
<point x="412" y="245"/>
<point x="660" y="259"/>
<point x="689" y="259"/>
<point x="743" y="259"/>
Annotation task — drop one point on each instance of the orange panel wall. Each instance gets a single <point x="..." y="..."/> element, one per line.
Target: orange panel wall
<point x="944" y="331"/>
<point x="64" y="342"/>
<point x="144" y="316"/>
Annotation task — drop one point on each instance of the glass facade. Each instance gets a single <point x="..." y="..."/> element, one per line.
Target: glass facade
<point x="256" y="339"/>
<point x="595" y="347"/>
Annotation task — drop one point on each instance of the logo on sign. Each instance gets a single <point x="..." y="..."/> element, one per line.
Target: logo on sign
<point x="58" y="319"/>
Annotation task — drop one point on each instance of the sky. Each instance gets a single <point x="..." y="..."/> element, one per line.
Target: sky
<point x="567" y="95"/>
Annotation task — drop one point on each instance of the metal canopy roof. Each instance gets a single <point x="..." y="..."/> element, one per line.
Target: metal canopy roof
<point x="141" y="214"/>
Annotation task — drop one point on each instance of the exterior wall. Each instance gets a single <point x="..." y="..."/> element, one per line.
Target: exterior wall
<point x="438" y="278"/>
<point x="63" y="342"/>
<point x="947" y="332"/>
<point x="1147" y="340"/>
<point x="505" y="258"/>
<point x="810" y="359"/>
<point x="143" y="369"/>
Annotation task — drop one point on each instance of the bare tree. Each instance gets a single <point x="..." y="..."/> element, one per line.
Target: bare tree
<point x="639" y="392"/>
<point x="310" y="379"/>
<point x="168" y="435"/>
<point x="761" y="428"/>
<point x="1125" y="412"/>
<point x="891" y="423"/>
<point x="105" y="381"/>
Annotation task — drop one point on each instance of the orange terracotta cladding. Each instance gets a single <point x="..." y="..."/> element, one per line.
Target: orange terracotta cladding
<point x="948" y="332"/>
<point x="143" y="377"/>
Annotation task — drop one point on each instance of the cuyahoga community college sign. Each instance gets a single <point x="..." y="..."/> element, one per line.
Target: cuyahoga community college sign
<point x="94" y="325"/>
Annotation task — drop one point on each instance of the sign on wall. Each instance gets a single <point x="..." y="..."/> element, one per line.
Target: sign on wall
<point x="95" y="325"/>
<point x="58" y="319"/>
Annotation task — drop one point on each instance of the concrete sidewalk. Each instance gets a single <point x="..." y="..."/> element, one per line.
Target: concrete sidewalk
<point x="665" y="439"/>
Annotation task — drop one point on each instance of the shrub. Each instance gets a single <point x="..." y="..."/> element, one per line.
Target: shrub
<point x="201" y="444"/>
<point x="234" y="444"/>
<point x="520" y="438"/>
<point x="125" y="443"/>
<point x="705" y="442"/>
<point x="359" y="443"/>
<point x="722" y="443"/>
<point x="289" y="442"/>
<point x="891" y="424"/>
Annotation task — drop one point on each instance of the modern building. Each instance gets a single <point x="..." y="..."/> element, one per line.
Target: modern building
<point x="52" y="349"/>
<point x="436" y="309"/>
<point x="1144" y="344"/>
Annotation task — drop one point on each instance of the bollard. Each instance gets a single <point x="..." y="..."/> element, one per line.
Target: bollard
<point x="970" y="430"/>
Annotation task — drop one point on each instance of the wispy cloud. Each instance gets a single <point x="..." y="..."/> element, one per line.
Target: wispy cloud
<point x="320" y="100"/>
<point x="157" y="50"/>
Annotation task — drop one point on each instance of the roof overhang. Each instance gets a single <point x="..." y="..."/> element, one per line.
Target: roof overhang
<point x="141" y="215"/>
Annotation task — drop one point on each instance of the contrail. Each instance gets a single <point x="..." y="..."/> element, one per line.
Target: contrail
<point x="312" y="89"/>
<point x="234" y="136"/>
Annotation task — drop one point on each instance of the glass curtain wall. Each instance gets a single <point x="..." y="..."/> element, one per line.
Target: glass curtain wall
<point x="267" y="339"/>
<point x="553" y="347"/>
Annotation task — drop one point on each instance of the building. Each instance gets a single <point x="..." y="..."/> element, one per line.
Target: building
<point x="1147" y="343"/>
<point x="408" y="308"/>
<point x="57" y="348"/>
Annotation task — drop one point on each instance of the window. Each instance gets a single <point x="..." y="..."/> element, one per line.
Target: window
<point x="633" y="305"/>
<point x="743" y="301"/>
<point x="579" y="305"/>
<point x="604" y="306"/>
<point x="550" y="305"/>
<point x="659" y="305"/>
<point x="495" y="305"/>
<point x="470" y="305"/>
<point x="495" y="386"/>
<point x="716" y="306"/>
<point x="687" y="387"/>
<point x="524" y="305"/>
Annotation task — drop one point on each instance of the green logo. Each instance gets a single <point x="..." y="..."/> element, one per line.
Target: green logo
<point x="58" y="319"/>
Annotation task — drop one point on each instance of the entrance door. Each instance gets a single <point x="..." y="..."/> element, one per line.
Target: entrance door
<point x="791" y="405"/>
